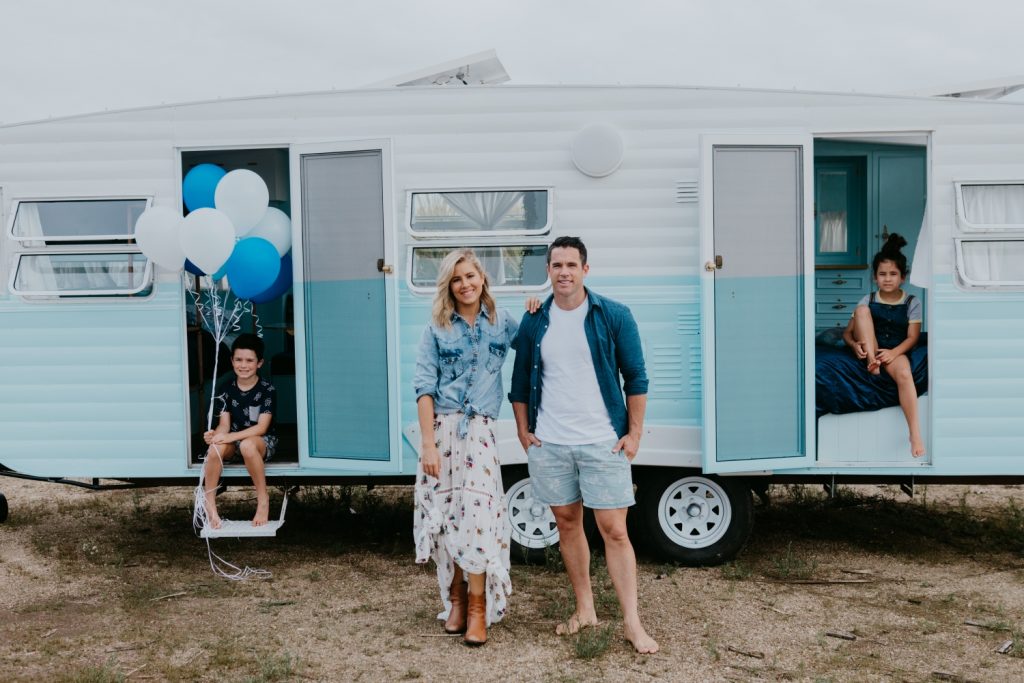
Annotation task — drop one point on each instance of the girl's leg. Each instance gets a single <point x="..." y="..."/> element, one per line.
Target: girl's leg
<point x="456" y="622"/>
<point x="900" y="371"/>
<point x="864" y="332"/>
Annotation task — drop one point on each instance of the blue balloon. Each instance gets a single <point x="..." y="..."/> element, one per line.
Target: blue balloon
<point x="254" y="266"/>
<point x="281" y="285"/>
<point x="193" y="268"/>
<point x="199" y="186"/>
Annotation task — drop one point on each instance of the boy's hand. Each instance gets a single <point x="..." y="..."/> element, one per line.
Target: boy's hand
<point x="208" y="436"/>
<point x="527" y="439"/>
<point x="213" y="437"/>
<point x="431" y="461"/>
<point x="630" y="444"/>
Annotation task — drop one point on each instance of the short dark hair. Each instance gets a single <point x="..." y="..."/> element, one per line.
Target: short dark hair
<point x="250" y="342"/>
<point x="567" y="242"/>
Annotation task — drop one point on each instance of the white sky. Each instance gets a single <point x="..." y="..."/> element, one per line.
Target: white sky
<point x="62" y="57"/>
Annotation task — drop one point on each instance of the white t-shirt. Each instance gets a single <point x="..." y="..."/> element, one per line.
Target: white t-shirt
<point x="571" y="411"/>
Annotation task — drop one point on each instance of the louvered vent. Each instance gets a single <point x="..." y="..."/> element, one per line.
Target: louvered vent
<point x="686" y="192"/>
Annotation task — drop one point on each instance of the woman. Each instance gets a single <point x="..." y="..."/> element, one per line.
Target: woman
<point x="460" y="519"/>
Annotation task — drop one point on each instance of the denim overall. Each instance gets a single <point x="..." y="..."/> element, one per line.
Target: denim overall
<point x="891" y="322"/>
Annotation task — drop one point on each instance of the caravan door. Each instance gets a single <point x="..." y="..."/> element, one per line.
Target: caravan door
<point x="345" y="377"/>
<point x="757" y="306"/>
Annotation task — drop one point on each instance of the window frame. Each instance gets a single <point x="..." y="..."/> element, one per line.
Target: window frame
<point x="147" y="274"/>
<point x="961" y="273"/>
<point x="966" y="225"/>
<point x="73" y="239"/>
<point x="473" y="234"/>
<point x="457" y="244"/>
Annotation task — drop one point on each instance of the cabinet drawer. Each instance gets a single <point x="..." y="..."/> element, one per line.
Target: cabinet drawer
<point x="827" y="320"/>
<point x="836" y="303"/>
<point x="839" y="281"/>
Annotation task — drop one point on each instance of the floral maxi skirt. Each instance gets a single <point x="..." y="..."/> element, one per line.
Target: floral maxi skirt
<point x="460" y="517"/>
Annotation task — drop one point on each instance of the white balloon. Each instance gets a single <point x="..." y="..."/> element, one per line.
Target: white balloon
<point x="276" y="228"/>
<point x="243" y="197"/>
<point x="156" y="232"/>
<point x="207" y="238"/>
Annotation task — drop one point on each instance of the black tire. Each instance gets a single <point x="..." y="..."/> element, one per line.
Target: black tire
<point x="533" y="525"/>
<point x="695" y="519"/>
<point x="3" y="508"/>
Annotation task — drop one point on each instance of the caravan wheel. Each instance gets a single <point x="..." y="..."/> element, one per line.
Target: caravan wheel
<point x="3" y="508"/>
<point x="533" y="525"/>
<point x="697" y="519"/>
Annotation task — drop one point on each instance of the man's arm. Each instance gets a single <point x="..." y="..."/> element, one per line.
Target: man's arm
<point x="526" y="437"/>
<point x="636" y="406"/>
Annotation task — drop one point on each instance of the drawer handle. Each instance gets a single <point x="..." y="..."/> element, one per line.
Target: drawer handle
<point x="838" y="307"/>
<point x="839" y="282"/>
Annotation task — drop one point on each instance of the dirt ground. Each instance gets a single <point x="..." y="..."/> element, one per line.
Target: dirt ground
<point x="870" y="585"/>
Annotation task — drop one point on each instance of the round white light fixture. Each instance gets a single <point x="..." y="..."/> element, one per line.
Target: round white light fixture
<point x="597" y="150"/>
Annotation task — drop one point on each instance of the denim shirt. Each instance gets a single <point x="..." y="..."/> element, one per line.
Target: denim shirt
<point x="615" y="348"/>
<point x="461" y="366"/>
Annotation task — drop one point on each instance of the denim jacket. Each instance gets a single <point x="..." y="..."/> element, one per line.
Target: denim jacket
<point x="615" y="348"/>
<point x="461" y="366"/>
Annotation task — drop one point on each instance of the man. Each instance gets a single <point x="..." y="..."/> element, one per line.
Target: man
<point x="578" y="433"/>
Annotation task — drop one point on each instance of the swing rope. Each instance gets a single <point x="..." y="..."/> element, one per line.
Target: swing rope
<point x="219" y="321"/>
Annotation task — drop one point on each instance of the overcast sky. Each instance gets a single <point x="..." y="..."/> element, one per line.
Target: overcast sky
<point x="61" y="57"/>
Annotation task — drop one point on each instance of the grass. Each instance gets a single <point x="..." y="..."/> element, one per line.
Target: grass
<point x="592" y="642"/>
<point x="790" y="566"/>
<point x="273" y="668"/>
<point x="104" y="673"/>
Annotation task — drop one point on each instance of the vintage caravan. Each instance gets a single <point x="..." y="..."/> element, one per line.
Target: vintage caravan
<point x="737" y="224"/>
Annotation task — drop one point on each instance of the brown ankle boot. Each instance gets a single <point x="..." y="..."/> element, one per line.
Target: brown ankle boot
<point x="476" y="620"/>
<point x="456" y="622"/>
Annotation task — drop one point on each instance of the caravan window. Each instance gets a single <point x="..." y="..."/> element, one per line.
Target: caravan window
<point x="990" y="248"/>
<point x="990" y="206"/>
<point x="991" y="262"/>
<point x="82" y="274"/>
<point x="85" y="220"/>
<point x="510" y="267"/>
<point x="484" y="212"/>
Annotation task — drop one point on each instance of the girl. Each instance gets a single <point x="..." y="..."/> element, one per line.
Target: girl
<point x="885" y="326"/>
<point x="460" y="519"/>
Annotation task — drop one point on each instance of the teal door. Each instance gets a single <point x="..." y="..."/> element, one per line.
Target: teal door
<point x="756" y="303"/>
<point x="343" y="305"/>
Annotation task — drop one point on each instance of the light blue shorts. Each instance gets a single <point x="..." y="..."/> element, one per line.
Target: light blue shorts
<point x="561" y="475"/>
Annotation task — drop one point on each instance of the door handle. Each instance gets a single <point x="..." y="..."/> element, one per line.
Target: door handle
<point x="712" y="266"/>
<point x="384" y="267"/>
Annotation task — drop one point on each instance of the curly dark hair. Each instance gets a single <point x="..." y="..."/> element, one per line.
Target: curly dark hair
<point x="250" y="342"/>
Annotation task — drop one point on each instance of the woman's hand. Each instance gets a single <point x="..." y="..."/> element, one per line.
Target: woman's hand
<point x="859" y="350"/>
<point x="532" y="304"/>
<point x="431" y="461"/>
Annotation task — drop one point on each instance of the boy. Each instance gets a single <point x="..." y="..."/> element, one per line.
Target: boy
<point x="245" y="426"/>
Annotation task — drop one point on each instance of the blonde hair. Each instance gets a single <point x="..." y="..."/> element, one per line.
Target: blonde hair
<point x="444" y="302"/>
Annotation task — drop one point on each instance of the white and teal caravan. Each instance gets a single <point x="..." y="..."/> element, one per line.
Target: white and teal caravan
<point x="735" y="223"/>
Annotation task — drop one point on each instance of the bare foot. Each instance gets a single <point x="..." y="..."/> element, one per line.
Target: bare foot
<point x="875" y="367"/>
<point x="640" y="641"/>
<point x="916" y="446"/>
<point x="262" y="510"/>
<point x="212" y="518"/>
<point x="573" y="624"/>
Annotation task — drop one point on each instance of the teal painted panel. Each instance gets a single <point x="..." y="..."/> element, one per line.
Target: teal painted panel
<point x="93" y="389"/>
<point x="347" y="369"/>
<point x="759" y="376"/>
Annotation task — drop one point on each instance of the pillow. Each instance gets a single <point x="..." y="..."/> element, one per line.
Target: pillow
<point x="831" y="336"/>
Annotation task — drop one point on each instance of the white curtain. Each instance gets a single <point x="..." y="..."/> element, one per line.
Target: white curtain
<point x="921" y="263"/>
<point x="832" y="231"/>
<point x="994" y="260"/>
<point x="30" y="275"/>
<point x="483" y="209"/>
<point x="994" y="204"/>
